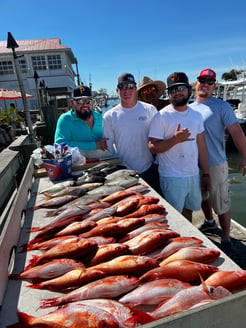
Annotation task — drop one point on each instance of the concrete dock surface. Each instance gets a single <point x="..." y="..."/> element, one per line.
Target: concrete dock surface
<point x="238" y="237"/>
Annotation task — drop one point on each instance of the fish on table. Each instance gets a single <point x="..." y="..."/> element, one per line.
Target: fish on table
<point x="184" y="270"/>
<point x="128" y="264"/>
<point x="72" y="315"/>
<point x="54" y="202"/>
<point x="231" y="280"/>
<point x="49" y="270"/>
<point x="148" y="240"/>
<point x="186" y="298"/>
<point x="126" y="316"/>
<point x="193" y="253"/>
<point x="153" y="292"/>
<point x="108" y="287"/>
<point x="68" y="249"/>
<point x="70" y="280"/>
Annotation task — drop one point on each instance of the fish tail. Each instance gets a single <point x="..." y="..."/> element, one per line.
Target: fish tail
<point x="13" y="276"/>
<point x="35" y="229"/>
<point x="48" y="303"/>
<point x="25" y="320"/>
<point x="32" y="262"/>
<point x="35" y="286"/>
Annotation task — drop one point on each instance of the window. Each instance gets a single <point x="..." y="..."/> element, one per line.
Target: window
<point x="6" y="67"/>
<point x="23" y="66"/>
<point x="54" y="62"/>
<point x="38" y="63"/>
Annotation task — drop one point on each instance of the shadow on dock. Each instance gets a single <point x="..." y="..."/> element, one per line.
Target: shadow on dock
<point x="238" y="237"/>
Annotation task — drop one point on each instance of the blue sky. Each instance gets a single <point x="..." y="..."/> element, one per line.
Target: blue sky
<point x="144" y="37"/>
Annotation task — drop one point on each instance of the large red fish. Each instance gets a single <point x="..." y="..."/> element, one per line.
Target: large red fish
<point x="173" y="245"/>
<point x="153" y="292"/>
<point x="126" y="316"/>
<point x="126" y="207"/>
<point x="232" y="280"/>
<point x="43" y="245"/>
<point x="48" y="270"/>
<point x="149" y="240"/>
<point x="184" y="270"/>
<point x="185" y="299"/>
<point x="70" y="280"/>
<point x="108" y="287"/>
<point x="72" y="315"/>
<point x="147" y="209"/>
<point x="128" y="264"/>
<point x="106" y="253"/>
<point x="154" y="217"/>
<point x="72" y="249"/>
<point x="193" y="253"/>
<point x="145" y="227"/>
<point x="114" y="229"/>
<point x="118" y="195"/>
<point x="76" y="228"/>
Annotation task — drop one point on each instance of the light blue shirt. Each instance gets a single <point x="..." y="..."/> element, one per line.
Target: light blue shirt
<point x="76" y="133"/>
<point x="217" y="116"/>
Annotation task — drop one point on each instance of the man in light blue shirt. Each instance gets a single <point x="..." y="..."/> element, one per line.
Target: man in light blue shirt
<point x="81" y="127"/>
<point x="218" y="115"/>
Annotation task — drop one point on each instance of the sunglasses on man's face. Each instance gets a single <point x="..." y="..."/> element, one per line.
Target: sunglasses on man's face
<point x="147" y="90"/>
<point x="126" y="86"/>
<point x="202" y="80"/>
<point x="176" y="88"/>
<point x="84" y="101"/>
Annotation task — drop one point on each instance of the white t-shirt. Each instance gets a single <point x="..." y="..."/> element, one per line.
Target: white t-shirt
<point x="128" y="130"/>
<point x="182" y="159"/>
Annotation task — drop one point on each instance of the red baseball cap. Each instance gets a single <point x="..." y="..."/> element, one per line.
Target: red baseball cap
<point x="209" y="73"/>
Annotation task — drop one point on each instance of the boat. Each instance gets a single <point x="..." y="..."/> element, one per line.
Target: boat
<point x="234" y="92"/>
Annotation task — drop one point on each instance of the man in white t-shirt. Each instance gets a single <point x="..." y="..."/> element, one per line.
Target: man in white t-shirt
<point x="126" y="126"/>
<point x="177" y="137"/>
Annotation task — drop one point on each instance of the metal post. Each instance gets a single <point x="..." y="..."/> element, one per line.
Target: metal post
<point x="11" y="43"/>
<point x="36" y="77"/>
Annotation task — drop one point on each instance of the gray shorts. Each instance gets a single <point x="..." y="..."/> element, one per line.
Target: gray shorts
<point x="219" y="194"/>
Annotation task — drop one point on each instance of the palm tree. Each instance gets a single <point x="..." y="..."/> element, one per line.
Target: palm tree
<point x="230" y="76"/>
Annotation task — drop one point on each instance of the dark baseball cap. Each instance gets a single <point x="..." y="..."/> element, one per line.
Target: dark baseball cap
<point x="126" y="77"/>
<point x="177" y="78"/>
<point x="81" y="91"/>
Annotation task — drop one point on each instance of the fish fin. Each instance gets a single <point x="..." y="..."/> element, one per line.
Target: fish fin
<point x="13" y="276"/>
<point x="48" y="302"/>
<point x="204" y="286"/>
<point x="32" y="262"/>
<point x="48" y="196"/>
<point x="35" y="229"/>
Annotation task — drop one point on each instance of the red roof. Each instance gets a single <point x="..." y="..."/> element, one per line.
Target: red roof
<point x="35" y="45"/>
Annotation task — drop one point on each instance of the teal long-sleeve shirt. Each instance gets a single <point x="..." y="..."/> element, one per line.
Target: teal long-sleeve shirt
<point x="76" y="133"/>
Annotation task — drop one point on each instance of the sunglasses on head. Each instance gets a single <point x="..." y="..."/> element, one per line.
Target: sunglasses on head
<point x="178" y="88"/>
<point x="147" y="90"/>
<point x="126" y="86"/>
<point x="82" y="101"/>
<point x="202" y="80"/>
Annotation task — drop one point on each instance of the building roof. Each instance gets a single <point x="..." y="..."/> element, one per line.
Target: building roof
<point x="36" y="45"/>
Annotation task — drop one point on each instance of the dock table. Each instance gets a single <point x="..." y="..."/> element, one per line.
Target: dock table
<point x="15" y="296"/>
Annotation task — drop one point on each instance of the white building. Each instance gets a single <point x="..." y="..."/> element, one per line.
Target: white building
<point x="54" y="63"/>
